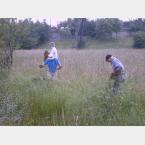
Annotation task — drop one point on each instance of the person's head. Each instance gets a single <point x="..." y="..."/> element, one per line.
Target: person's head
<point x="46" y="54"/>
<point x="52" y="44"/>
<point x="108" y="57"/>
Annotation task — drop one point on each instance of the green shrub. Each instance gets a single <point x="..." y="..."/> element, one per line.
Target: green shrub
<point x="139" y="40"/>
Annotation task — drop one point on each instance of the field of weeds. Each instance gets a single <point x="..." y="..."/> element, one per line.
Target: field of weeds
<point x="79" y="96"/>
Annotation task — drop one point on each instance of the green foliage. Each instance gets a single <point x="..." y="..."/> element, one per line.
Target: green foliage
<point x="7" y="32"/>
<point x="136" y="25"/>
<point x="101" y="28"/>
<point x="7" y="42"/>
<point x="74" y="24"/>
<point x="139" y="40"/>
<point x="81" y="102"/>
<point x="89" y="29"/>
<point x="24" y="34"/>
<point x="30" y="34"/>
<point x="65" y="33"/>
<point x="105" y="27"/>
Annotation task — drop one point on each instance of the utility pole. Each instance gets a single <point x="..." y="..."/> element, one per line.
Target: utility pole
<point x="81" y="41"/>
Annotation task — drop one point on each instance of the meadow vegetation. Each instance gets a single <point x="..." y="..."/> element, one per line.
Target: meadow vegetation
<point x="80" y="95"/>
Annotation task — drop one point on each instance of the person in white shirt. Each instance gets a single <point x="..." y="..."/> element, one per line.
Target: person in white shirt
<point x="53" y="52"/>
<point x="51" y="66"/>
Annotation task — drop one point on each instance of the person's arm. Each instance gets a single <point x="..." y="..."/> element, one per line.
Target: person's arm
<point x="44" y="63"/>
<point x="41" y="66"/>
<point x="60" y="67"/>
<point x="117" y="71"/>
<point x="59" y="64"/>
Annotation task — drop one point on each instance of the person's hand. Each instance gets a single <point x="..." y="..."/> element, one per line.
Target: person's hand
<point x="41" y="66"/>
<point x="112" y="75"/>
<point x="59" y="67"/>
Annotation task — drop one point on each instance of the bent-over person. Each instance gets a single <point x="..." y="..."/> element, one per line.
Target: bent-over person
<point x="118" y="74"/>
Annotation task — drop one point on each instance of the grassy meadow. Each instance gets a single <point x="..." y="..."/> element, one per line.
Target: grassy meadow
<point x="80" y="95"/>
<point x="125" y="42"/>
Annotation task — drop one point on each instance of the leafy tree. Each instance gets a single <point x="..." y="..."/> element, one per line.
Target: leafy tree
<point x="30" y="34"/>
<point x="137" y="25"/>
<point x="103" y="29"/>
<point x="139" y="40"/>
<point x="89" y="28"/>
<point x="7" y="31"/>
<point x="7" y="41"/>
<point x="65" y="32"/>
<point x="116" y="25"/>
<point x="106" y="26"/>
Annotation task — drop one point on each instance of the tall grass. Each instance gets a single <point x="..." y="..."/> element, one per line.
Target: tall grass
<point x="79" y="96"/>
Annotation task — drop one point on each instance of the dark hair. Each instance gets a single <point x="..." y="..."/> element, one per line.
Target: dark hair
<point x="108" y="56"/>
<point x="45" y="51"/>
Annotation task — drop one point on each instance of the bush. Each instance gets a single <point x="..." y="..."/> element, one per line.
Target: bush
<point x="139" y="40"/>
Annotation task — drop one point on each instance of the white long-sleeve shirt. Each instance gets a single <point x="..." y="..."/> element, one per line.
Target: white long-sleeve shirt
<point x="53" y="53"/>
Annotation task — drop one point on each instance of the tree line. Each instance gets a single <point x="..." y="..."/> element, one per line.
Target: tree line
<point x="23" y="34"/>
<point x="26" y="34"/>
<point x="101" y="28"/>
